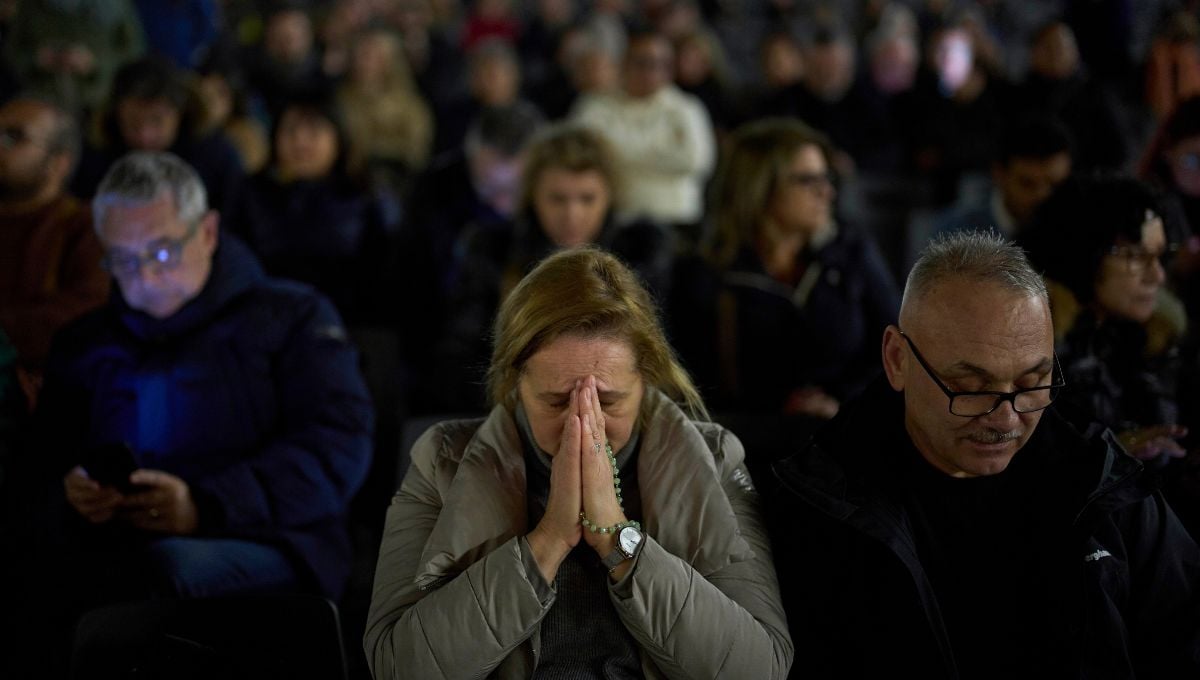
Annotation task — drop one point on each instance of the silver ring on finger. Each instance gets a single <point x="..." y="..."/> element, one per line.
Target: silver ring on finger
<point x="596" y="447"/>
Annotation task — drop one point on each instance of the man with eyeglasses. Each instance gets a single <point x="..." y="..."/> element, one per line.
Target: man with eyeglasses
<point x="950" y="524"/>
<point x="207" y="428"/>
<point x="49" y="256"/>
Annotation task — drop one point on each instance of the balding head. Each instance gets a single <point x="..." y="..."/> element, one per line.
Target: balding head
<point x="970" y="258"/>
<point x="975" y="318"/>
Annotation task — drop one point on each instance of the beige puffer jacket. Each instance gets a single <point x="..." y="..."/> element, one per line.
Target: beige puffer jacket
<point x="452" y="597"/>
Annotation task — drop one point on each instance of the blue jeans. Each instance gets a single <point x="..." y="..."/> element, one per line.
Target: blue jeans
<point x="206" y="567"/>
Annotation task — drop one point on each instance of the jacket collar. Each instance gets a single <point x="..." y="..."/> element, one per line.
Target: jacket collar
<point x="854" y="461"/>
<point x="234" y="271"/>
<point x="484" y="505"/>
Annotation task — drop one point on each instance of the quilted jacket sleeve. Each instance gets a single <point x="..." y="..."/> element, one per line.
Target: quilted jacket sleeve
<point x="729" y="623"/>
<point x="460" y="627"/>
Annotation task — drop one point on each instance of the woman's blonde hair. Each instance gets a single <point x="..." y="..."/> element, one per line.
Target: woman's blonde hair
<point x="760" y="153"/>
<point x="584" y="292"/>
<point x="574" y="149"/>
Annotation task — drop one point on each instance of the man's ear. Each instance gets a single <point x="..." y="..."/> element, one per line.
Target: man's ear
<point x="209" y="234"/>
<point x="895" y="357"/>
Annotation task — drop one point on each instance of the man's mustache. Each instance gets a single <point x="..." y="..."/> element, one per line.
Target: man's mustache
<point x="994" y="436"/>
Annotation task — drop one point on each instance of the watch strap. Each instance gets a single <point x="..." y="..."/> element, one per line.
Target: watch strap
<point x="614" y="559"/>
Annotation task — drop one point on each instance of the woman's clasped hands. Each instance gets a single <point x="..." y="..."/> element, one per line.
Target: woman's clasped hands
<point x="581" y="485"/>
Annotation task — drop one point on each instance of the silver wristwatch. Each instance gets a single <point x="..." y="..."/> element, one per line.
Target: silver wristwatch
<point x="629" y="543"/>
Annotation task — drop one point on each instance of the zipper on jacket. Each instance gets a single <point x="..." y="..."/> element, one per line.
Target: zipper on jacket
<point x="435" y="584"/>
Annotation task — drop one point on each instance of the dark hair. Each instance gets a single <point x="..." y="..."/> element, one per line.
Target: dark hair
<point x="222" y="60"/>
<point x="642" y="32"/>
<point x="507" y="129"/>
<point x="152" y="78"/>
<point x="1073" y="230"/>
<point x="1033" y="136"/>
<point x="825" y="34"/>
<point x="322" y="103"/>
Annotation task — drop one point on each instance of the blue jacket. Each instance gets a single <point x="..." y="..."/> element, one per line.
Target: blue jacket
<point x="329" y="233"/>
<point x="251" y="393"/>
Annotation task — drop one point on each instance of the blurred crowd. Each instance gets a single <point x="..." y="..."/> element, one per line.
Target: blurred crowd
<point x="769" y="168"/>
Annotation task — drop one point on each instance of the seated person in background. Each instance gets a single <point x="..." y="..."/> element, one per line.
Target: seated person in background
<point x="799" y="297"/>
<point x="475" y="189"/>
<point x="311" y="215"/>
<point x="948" y="525"/>
<point x="1033" y="157"/>
<point x="388" y="117"/>
<point x="1059" y="84"/>
<point x="49" y="257"/>
<point x="288" y="58"/>
<point x="953" y="115"/>
<point x="154" y="107"/>
<point x="590" y="525"/>
<point x="237" y="396"/>
<point x="494" y="82"/>
<point x="1104" y="246"/>
<point x="230" y="107"/>
<point x="1171" y="164"/>
<point x="569" y="196"/>
<point x="70" y="50"/>
<point x="1101" y="244"/>
<point x="831" y="98"/>
<point x="663" y="137"/>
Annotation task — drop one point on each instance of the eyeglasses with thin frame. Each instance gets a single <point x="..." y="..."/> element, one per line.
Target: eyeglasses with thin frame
<point x="13" y="136"/>
<point x="810" y="180"/>
<point x="1138" y="260"/>
<point x="975" y="404"/>
<point x="163" y="254"/>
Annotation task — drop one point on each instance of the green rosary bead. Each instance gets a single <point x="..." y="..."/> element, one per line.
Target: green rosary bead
<point x="589" y="525"/>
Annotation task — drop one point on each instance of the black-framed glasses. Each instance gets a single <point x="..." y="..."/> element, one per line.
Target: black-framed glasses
<point x="163" y="254"/>
<point x="975" y="404"/>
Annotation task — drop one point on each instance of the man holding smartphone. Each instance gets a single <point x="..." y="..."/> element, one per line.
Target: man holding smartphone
<point x="238" y="398"/>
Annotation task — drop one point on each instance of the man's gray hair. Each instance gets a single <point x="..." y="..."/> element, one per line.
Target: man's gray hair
<point x="982" y="256"/>
<point x="143" y="176"/>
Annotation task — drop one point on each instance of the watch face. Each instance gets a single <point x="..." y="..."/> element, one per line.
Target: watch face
<point x="628" y="540"/>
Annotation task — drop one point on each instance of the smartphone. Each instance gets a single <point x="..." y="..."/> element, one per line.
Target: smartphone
<point x="111" y="464"/>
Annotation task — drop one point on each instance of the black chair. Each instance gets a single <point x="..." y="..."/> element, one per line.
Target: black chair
<point x="228" y="637"/>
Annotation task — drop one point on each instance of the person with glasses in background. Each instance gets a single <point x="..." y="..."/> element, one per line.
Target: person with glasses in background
<point x="1105" y="246"/>
<point x="49" y="257"/>
<point x="204" y="431"/>
<point x="800" y="296"/>
<point x="1171" y="164"/>
<point x="952" y="523"/>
